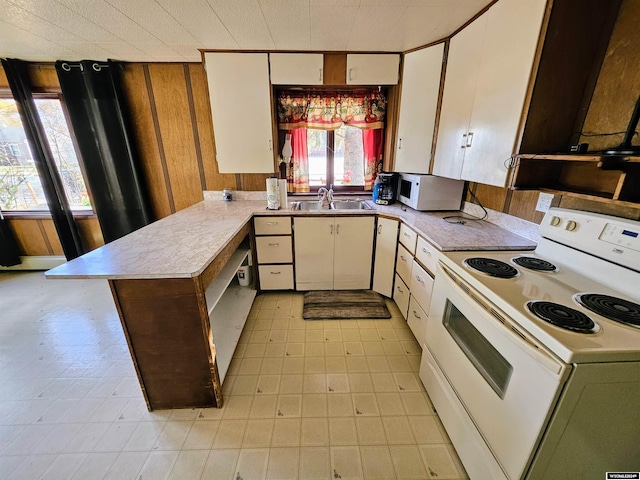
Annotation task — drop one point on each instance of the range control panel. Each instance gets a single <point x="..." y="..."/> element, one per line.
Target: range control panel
<point x="611" y="238"/>
<point x="622" y="236"/>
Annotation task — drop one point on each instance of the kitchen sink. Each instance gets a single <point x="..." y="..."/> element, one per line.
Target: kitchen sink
<point x="349" y="204"/>
<point x="341" y="204"/>
<point x="308" y="205"/>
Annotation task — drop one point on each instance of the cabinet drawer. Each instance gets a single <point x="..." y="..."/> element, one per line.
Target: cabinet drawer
<point x="272" y="225"/>
<point x="417" y="320"/>
<point x="276" y="277"/>
<point x="404" y="263"/>
<point x="408" y="238"/>
<point x="421" y="286"/>
<point x="427" y="254"/>
<point x="401" y="296"/>
<point x="274" y="249"/>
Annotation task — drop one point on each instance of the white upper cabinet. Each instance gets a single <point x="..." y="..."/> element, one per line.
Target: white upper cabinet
<point x="418" y="105"/>
<point x="488" y="73"/>
<point x="240" y="97"/>
<point x="296" y="68"/>
<point x="373" y="69"/>
<point x="463" y="61"/>
<point x="511" y="40"/>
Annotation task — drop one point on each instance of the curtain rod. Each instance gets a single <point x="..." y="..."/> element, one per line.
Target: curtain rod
<point x="66" y="66"/>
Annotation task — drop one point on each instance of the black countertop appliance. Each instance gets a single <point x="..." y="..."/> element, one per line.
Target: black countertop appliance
<point x="385" y="188"/>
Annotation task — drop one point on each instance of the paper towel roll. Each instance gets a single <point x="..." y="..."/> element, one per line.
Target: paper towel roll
<point x="282" y="187"/>
<point x="273" y="194"/>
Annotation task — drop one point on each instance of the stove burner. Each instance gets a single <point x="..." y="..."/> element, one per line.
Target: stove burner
<point x="492" y="267"/>
<point x="536" y="264"/>
<point x="563" y="317"/>
<point x="613" y="308"/>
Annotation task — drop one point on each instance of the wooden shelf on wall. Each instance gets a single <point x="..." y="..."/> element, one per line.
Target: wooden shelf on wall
<point x="579" y="175"/>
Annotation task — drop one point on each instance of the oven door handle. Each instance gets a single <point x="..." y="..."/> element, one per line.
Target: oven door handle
<point x="526" y="342"/>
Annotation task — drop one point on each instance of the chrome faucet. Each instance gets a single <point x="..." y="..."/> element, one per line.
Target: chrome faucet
<point x="325" y="197"/>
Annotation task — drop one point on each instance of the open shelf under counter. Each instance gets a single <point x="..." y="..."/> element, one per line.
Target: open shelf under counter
<point x="579" y="175"/>
<point x="216" y="289"/>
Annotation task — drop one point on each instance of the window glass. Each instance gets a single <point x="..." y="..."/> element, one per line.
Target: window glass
<point x="348" y="163"/>
<point x="336" y="157"/>
<point x="20" y="187"/>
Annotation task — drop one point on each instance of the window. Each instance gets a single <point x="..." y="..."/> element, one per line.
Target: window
<point x="336" y="157"/>
<point x="20" y="187"/>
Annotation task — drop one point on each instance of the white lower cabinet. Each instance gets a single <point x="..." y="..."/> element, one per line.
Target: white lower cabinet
<point x="401" y="295"/>
<point x="417" y="320"/>
<point x="404" y="262"/>
<point x="276" y="277"/>
<point x="421" y="286"/>
<point x="384" y="263"/>
<point x="274" y="252"/>
<point x="333" y="253"/>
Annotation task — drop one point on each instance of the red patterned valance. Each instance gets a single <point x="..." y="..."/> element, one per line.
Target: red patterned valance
<point x="328" y="110"/>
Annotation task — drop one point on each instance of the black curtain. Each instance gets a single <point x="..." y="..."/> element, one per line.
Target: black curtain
<point x="97" y="111"/>
<point x="9" y="254"/>
<point x="52" y="186"/>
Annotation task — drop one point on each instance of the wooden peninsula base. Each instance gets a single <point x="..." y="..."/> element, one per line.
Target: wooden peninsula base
<point x="182" y="332"/>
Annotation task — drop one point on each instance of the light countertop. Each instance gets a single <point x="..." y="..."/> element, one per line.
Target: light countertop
<point x="182" y="245"/>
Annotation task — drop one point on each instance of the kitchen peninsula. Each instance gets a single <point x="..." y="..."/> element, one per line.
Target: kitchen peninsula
<point x="167" y="277"/>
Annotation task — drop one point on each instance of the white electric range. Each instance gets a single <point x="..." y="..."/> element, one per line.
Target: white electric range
<point x="532" y="359"/>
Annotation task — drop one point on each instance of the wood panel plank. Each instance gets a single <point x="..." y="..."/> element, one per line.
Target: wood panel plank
<point x="523" y="205"/>
<point x="162" y="323"/>
<point x="90" y="232"/>
<point x="214" y="180"/>
<point x="335" y="69"/>
<point x="490" y="196"/>
<point x="44" y="77"/>
<point x="52" y="236"/>
<point x="137" y="96"/>
<point x="618" y="84"/>
<point x="29" y="236"/>
<point x="175" y="124"/>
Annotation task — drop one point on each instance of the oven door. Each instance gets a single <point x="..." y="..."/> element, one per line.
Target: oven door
<point x="505" y="380"/>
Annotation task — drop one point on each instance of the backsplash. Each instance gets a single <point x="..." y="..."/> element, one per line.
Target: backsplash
<point x="521" y="227"/>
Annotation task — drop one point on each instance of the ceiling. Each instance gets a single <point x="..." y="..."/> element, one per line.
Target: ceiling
<point x="174" y="30"/>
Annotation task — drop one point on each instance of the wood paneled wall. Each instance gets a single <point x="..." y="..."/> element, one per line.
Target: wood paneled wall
<point x="171" y="120"/>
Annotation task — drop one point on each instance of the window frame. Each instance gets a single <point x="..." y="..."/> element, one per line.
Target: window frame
<point x="54" y="94"/>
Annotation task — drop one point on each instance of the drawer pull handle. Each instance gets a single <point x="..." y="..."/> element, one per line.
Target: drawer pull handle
<point x="402" y="258"/>
<point x="424" y="250"/>
<point x="275" y="273"/>
<point x="379" y="229"/>
<point x="274" y="244"/>
<point x="419" y="279"/>
<point x="399" y="289"/>
<point x="415" y="314"/>
<point x="406" y="234"/>
<point x="272" y="223"/>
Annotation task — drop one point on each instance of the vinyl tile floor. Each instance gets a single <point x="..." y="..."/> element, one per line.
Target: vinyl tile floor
<point x="333" y="399"/>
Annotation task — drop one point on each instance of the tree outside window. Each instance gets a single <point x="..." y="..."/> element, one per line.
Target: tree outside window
<point x="20" y="187"/>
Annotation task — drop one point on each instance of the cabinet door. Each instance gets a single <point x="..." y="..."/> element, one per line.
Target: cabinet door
<point x="314" y="238"/>
<point x="238" y="84"/>
<point x="509" y="48"/>
<point x="353" y="253"/>
<point x="373" y="69"/>
<point x="401" y="296"/>
<point x="463" y="61"/>
<point x="296" y="68"/>
<point x="384" y="264"/>
<point x="421" y="286"/>
<point x="418" y="104"/>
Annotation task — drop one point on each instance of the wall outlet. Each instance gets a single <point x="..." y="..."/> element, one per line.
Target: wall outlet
<point x="544" y="202"/>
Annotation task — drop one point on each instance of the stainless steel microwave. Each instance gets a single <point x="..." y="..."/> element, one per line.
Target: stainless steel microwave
<point x="428" y="192"/>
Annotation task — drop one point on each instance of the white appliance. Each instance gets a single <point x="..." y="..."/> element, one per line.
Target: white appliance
<point x="524" y="397"/>
<point x="428" y="192"/>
